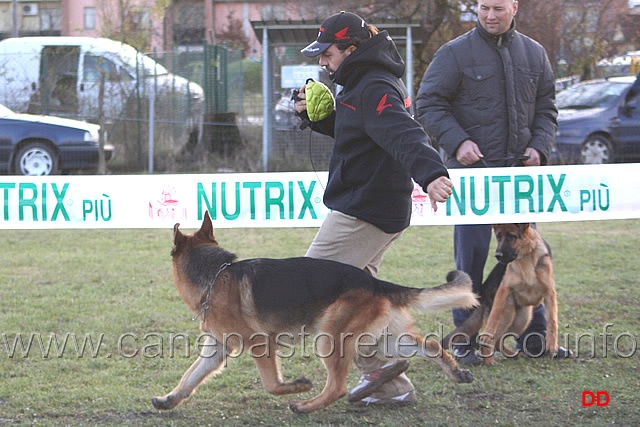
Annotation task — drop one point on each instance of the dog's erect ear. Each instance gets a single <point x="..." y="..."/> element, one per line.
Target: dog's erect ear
<point x="206" y="229"/>
<point x="178" y="239"/>
<point x="523" y="227"/>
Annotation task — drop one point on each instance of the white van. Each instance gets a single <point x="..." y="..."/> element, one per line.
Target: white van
<point x="61" y="76"/>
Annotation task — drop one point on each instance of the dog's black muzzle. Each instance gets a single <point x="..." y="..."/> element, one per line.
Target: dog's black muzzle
<point x="505" y="258"/>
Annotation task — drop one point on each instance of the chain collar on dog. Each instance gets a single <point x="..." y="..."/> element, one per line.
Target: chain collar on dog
<point x="205" y="304"/>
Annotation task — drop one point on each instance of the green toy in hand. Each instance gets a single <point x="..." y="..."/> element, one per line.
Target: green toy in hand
<point x="320" y="102"/>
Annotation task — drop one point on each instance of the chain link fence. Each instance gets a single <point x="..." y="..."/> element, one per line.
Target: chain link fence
<point x="207" y="112"/>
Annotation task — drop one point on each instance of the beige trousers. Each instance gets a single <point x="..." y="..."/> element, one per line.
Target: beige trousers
<point x="355" y="242"/>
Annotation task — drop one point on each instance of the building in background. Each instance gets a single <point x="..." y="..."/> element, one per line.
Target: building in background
<point x="150" y="25"/>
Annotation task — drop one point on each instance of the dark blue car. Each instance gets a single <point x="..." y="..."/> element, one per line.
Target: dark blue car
<point x="47" y="145"/>
<point x="596" y="125"/>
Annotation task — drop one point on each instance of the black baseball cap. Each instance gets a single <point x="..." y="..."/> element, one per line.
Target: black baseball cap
<point x="342" y="27"/>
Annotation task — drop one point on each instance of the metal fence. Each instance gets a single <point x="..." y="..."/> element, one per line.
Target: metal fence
<point x="208" y="97"/>
<point x="233" y="106"/>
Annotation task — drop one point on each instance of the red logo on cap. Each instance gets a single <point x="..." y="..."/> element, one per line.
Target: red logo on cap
<point x="342" y="34"/>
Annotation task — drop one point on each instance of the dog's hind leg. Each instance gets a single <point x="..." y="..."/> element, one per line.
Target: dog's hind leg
<point x="272" y="382"/>
<point x="409" y="345"/>
<point x="464" y="333"/>
<point x="208" y="363"/>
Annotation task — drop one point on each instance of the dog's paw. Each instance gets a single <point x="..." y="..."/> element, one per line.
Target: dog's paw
<point x="509" y="353"/>
<point x="299" y="385"/>
<point x="489" y="361"/>
<point x="163" y="403"/>
<point x="298" y="407"/>
<point x="551" y="350"/>
<point x="464" y="376"/>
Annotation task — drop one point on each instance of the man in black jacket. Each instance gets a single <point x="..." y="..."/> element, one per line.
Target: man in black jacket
<point x="378" y="149"/>
<point x="488" y="98"/>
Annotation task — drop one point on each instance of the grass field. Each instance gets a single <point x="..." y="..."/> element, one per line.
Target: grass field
<point x="91" y="328"/>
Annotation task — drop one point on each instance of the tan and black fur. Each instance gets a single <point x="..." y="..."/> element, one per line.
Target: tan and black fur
<point x="521" y="280"/>
<point x="254" y="300"/>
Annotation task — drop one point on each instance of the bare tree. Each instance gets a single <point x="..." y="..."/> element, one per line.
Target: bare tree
<point x="233" y="35"/>
<point x="440" y="19"/>
<point x="589" y="31"/>
<point x="542" y="21"/>
<point x="574" y="32"/>
<point x="130" y="23"/>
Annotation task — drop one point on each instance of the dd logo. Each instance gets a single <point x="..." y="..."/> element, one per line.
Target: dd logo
<point x="599" y="398"/>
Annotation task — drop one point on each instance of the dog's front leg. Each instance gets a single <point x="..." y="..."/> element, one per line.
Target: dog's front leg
<point x="209" y="362"/>
<point x="500" y="320"/>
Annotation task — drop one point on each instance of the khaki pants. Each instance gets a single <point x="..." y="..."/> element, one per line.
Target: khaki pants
<point x="355" y="242"/>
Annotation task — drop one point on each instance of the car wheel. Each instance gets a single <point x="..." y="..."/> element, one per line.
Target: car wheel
<point x="596" y="150"/>
<point x="36" y="158"/>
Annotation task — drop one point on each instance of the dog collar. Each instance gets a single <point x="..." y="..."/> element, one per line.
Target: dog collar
<point x="204" y="305"/>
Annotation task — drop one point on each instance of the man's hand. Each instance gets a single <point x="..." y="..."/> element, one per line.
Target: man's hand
<point x="534" y="157"/>
<point x="301" y="102"/>
<point x="439" y="191"/>
<point x="468" y="153"/>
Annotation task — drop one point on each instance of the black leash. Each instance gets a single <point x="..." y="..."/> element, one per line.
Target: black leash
<point x="517" y="160"/>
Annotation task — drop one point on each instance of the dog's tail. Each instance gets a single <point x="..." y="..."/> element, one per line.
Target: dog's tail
<point x="456" y="293"/>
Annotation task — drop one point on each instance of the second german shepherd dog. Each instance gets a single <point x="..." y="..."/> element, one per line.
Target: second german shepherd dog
<point x="259" y="303"/>
<point x="521" y="280"/>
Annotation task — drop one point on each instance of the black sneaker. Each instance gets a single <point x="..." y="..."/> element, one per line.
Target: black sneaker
<point x="466" y="355"/>
<point x="563" y="353"/>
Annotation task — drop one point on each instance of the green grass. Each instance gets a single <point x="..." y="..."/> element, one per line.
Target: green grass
<point x="116" y="285"/>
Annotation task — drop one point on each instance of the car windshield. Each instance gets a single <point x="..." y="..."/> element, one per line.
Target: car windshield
<point x="590" y="95"/>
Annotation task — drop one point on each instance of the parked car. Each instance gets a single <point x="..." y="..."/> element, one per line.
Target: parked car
<point x="284" y="114"/>
<point x="47" y="145"/>
<point x="61" y="76"/>
<point x="594" y="123"/>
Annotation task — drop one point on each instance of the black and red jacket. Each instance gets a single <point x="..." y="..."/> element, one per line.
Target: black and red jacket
<point x="379" y="147"/>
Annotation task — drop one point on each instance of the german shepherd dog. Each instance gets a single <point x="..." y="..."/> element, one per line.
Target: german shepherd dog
<point x="256" y="303"/>
<point x="522" y="279"/>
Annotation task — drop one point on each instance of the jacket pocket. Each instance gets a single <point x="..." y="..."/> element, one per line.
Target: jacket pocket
<point x="527" y="85"/>
<point x="479" y="82"/>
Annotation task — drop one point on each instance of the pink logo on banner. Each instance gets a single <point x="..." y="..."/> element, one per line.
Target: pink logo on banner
<point x="167" y="206"/>
<point x="419" y="199"/>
